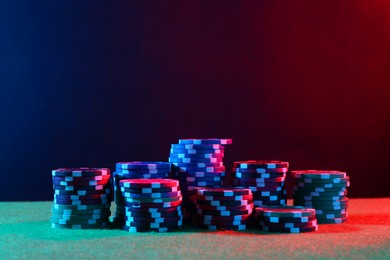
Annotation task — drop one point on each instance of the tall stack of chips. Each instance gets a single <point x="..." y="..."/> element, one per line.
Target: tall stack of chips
<point x="151" y="205"/>
<point x="325" y="191"/>
<point x="264" y="178"/>
<point x="286" y="219"/>
<point x="82" y="198"/>
<point x="197" y="163"/>
<point x="222" y="208"/>
<point x="135" y="170"/>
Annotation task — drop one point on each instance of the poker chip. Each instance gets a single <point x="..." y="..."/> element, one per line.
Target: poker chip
<point x="143" y="165"/>
<point x="195" y="151"/>
<point x="195" y="160"/>
<point x="82" y="198"/>
<point x="81" y="172"/>
<point x="317" y="174"/>
<point x="286" y="219"/>
<point x="260" y="170"/>
<point x="219" y="208"/>
<point x="205" y="141"/>
<point x="80" y="226"/>
<point x="264" y="178"/>
<point x="285" y="211"/>
<point x="151" y="205"/>
<point x="325" y="191"/>
<point x="259" y="175"/>
<point x="288" y="230"/>
<point x="260" y="164"/>
<point x="149" y="229"/>
<point x="221" y="227"/>
<point x="197" y="163"/>
<point x="197" y="156"/>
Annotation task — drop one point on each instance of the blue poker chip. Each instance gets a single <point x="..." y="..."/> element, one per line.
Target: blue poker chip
<point x="260" y="170"/>
<point x="151" y="195"/>
<point x="265" y="202"/>
<point x="259" y="175"/>
<point x="149" y="190"/>
<point x="196" y="156"/>
<point x="195" y="160"/>
<point x="199" y="165"/>
<point x="185" y="169"/>
<point x="81" y="179"/>
<point x="197" y="179"/>
<point x="80" y="226"/>
<point x="200" y="183"/>
<point x="223" y="141"/>
<point x="80" y="172"/>
<point x="76" y="188"/>
<point x="80" y="202"/>
<point x="82" y="192"/>
<point x="143" y="165"/>
<point x="260" y="164"/>
<point x="200" y="174"/>
<point x="192" y="151"/>
<point x="140" y="176"/>
<point x="143" y="230"/>
<point x="78" y="197"/>
<point x="143" y="171"/>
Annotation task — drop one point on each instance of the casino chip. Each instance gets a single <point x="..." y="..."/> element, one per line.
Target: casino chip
<point x="136" y="170"/>
<point x="326" y="191"/>
<point x="286" y="219"/>
<point x="82" y="198"/>
<point x="265" y="179"/>
<point x="197" y="163"/>
<point x="222" y="208"/>
<point x="152" y="205"/>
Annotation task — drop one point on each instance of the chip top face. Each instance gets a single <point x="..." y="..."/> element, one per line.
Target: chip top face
<point x="319" y="174"/>
<point x="206" y="141"/>
<point x="261" y="164"/>
<point x="142" y="165"/>
<point x="287" y="211"/>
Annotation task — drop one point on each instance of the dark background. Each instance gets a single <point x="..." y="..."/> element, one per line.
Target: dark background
<point x="91" y="83"/>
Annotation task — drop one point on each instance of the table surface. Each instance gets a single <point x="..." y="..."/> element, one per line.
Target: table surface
<point x="25" y="233"/>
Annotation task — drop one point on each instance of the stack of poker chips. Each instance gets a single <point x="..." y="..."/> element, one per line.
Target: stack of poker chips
<point x="286" y="219"/>
<point x="151" y="205"/>
<point x="197" y="163"/>
<point x="222" y="208"/>
<point x="135" y="170"/>
<point x="325" y="191"/>
<point x="82" y="198"/>
<point x="265" y="179"/>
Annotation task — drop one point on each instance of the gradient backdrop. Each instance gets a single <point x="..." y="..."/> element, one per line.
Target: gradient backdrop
<point x="91" y="83"/>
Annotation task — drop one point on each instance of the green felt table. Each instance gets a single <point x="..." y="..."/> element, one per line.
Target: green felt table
<point x="25" y="233"/>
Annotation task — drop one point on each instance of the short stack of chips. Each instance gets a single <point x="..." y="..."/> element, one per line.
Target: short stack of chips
<point x="197" y="163"/>
<point x="82" y="198"/>
<point x="135" y="170"/>
<point x="264" y="178"/>
<point x="222" y="208"/>
<point x="325" y="191"/>
<point x="151" y="205"/>
<point x="286" y="219"/>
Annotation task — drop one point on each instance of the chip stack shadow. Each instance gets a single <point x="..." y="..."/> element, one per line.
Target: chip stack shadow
<point x="151" y="205"/>
<point x="324" y="190"/>
<point x="197" y="163"/>
<point x="82" y="198"/>
<point x="135" y="170"/>
<point x="264" y="178"/>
